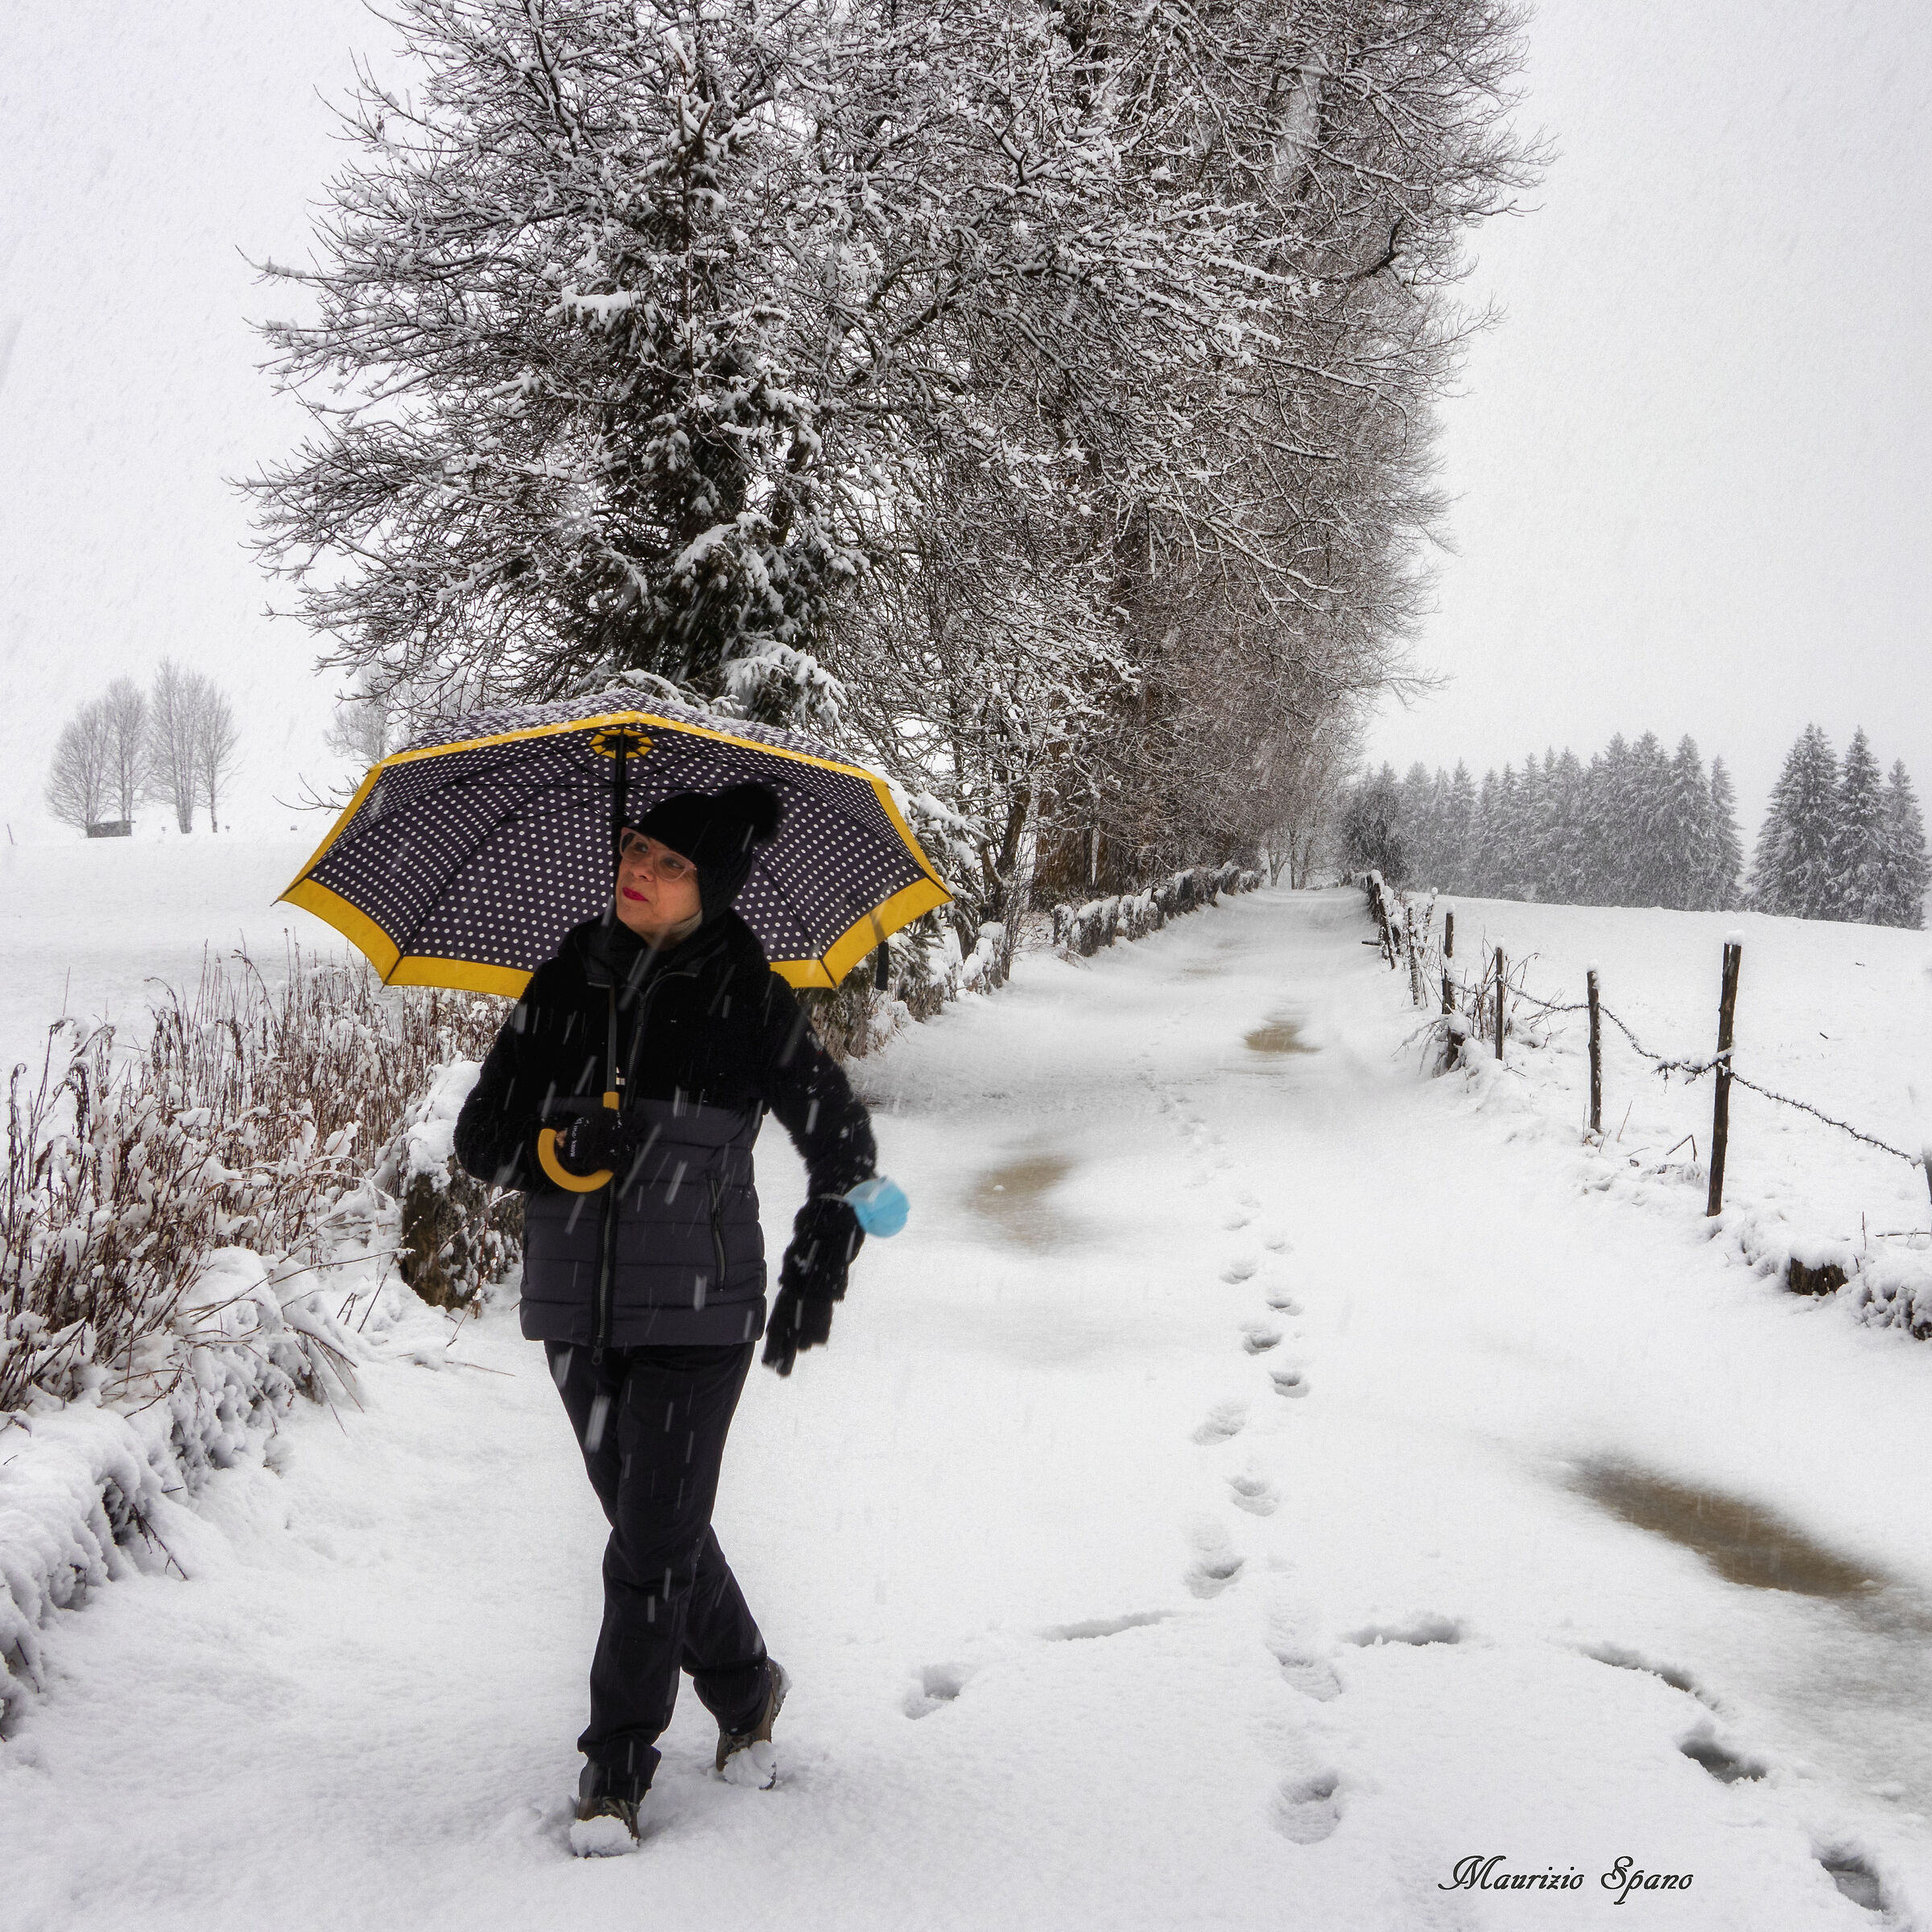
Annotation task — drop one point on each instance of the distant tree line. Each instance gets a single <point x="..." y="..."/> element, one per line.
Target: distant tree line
<point x="173" y="745"/>
<point x="1638" y="826"/>
<point x="1840" y="841"/>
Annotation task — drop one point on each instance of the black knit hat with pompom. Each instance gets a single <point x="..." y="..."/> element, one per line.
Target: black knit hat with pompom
<point x="718" y="834"/>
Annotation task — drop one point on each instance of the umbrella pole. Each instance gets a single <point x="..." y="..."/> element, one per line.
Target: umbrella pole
<point x="607" y="1229"/>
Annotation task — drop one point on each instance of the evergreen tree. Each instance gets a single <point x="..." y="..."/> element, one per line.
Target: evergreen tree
<point x="1485" y="835"/>
<point x="1566" y="857"/>
<point x="1858" y="882"/>
<point x="1792" y="871"/>
<point x="1459" y="830"/>
<point x="1526" y="878"/>
<point x="1505" y="859"/>
<point x="1684" y="857"/>
<point x="1905" y="869"/>
<point x="1615" y="821"/>
<point x="1418" y="846"/>
<point x="1649" y="881"/>
<point x="1727" y="844"/>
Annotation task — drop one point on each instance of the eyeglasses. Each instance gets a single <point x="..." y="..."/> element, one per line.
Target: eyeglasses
<point x="655" y="860"/>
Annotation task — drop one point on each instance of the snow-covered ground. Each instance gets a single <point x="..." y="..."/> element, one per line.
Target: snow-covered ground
<point x="86" y="924"/>
<point x="1257" y="1481"/>
<point x="1836" y="1015"/>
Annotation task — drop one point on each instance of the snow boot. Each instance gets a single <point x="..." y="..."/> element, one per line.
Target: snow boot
<point x="606" y="1823"/>
<point x="747" y="1757"/>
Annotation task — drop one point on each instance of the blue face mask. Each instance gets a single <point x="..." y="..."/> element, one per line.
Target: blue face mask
<point x="880" y="1204"/>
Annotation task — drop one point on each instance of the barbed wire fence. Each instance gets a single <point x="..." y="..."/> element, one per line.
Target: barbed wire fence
<point x="1470" y="1014"/>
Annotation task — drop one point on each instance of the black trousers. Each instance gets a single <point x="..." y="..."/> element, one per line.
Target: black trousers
<point x="652" y="1424"/>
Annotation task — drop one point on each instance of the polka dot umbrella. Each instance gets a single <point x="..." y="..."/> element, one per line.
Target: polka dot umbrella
<point x="462" y="860"/>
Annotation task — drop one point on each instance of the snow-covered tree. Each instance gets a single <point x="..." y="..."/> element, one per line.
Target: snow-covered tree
<point x="1906" y="870"/>
<point x="1038" y="399"/>
<point x="1459" y="825"/>
<point x="1682" y="854"/>
<point x="215" y="741"/>
<point x="1370" y="828"/>
<point x="1417" y="798"/>
<point x="1857" y="841"/>
<point x="1791" y="872"/>
<point x="1617" y="834"/>
<point x="124" y="710"/>
<point x="173" y="715"/>
<point x="1566" y="850"/>
<point x="79" y="779"/>
<point x="1727" y="846"/>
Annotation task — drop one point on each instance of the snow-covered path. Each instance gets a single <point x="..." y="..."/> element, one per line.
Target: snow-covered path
<point x="1253" y="1485"/>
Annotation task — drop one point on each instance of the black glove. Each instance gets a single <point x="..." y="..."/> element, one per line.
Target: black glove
<point x="825" y="1236"/>
<point x="587" y="1143"/>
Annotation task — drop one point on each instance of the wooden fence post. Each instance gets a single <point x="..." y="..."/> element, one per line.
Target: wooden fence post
<point x="1499" y="1002"/>
<point x="1448" y="993"/>
<point x="1720" y="1111"/>
<point x="1596" y="1058"/>
<point x="1449" y="934"/>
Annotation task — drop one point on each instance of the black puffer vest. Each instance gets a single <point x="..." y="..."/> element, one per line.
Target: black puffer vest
<point x="709" y="1039"/>
<point x="689" y="1247"/>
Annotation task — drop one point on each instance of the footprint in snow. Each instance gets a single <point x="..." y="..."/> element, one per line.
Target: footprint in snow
<point x="1104" y="1626"/>
<point x="1239" y="1219"/>
<point x="1289" y="1381"/>
<point x="1216" y="1564"/>
<point x="1426" y="1627"/>
<point x="1728" y="1767"/>
<point x="1309" y="1674"/>
<point x="1224" y="1419"/>
<point x="936" y="1685"/>
<point x="1277" y="1244"/>
<point x="1283" y="1302"/>
<point x="1854" y="1875"/>
<point x="1254" y="1493"/>
<point x="1306" y="1809"/>
<point x="1239" y="1269"/>
<point x="1618" y="1658"/>
<point x="1257" y="1338"/>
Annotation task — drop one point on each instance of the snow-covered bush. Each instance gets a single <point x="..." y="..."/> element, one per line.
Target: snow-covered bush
<point x="237" y="1125"/>
<point x="172" y="1221"/>
<point x="1084" y="930"/>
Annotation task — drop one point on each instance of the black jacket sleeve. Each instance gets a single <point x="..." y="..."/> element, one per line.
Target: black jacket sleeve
<point x="497" y="1130"/>
<point x="808" y="1091"/>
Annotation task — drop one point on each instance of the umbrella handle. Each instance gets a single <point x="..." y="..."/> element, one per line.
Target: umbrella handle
<point x="575" y="1183"/>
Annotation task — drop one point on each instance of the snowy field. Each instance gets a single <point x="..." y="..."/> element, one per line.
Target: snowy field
<point x="1836" y="1015"/>
<point x="1258" y="1481"/>
<point x="85" y="924"/>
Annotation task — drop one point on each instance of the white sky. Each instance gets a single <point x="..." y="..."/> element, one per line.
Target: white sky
<point x="144" y="150"/>
<point x="1690" y="465"/>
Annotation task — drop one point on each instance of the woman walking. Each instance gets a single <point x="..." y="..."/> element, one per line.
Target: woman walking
<point x="623" y="1095"/>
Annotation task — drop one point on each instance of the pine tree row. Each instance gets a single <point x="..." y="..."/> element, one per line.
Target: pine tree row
<point x="1840" y="842"/>
<point x="1638" y="827"/>
<point x="1635" y="826"/>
